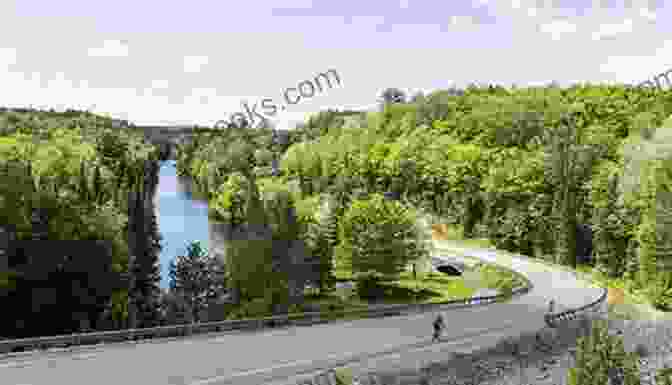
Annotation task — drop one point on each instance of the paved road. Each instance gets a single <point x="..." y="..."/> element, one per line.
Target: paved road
<point x="280" y="355"/>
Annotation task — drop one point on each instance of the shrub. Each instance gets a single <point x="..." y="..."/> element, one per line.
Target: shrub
<point x="255" y="308"/>
<point x="369" y="284"/>
<point x="601" y="357"/>
<point x="660" y="292"/>
<point x="664" y="376"/>
<point x="503" y="280"/>
<point x="229" y="200"/>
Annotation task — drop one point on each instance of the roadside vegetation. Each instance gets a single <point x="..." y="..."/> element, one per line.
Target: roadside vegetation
<point x="344" y="197"/>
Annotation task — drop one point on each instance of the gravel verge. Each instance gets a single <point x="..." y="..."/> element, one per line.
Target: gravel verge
<point x="544" y="360"/>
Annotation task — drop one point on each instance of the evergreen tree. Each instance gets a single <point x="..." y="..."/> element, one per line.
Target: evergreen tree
<point x="193" y="278"/>
<point x="646" y="231"/>
<point x="145" y="245"/>
<point x="97" y="184"/>
<point x="83" y="182"/>
<point x="565" y="168"/>
<point x="324" y="238"/>
<point x="605" y="251"/>
<point x="148" y="278"/>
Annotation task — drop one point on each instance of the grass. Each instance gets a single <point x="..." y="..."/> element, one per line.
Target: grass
<point x="428" y="288"/>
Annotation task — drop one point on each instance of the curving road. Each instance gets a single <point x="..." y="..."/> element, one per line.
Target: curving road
<point x="278" y="356"/>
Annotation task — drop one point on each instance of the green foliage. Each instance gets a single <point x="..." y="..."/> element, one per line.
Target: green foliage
<point x="369" y="284"/>
<point x="653" y="234"/>
<point x="611" y="227"/>
<point x="70" y="168"/>
<point x="660" y="291"/>
<point x="229" y="202"/>
<point x="248" y="258"/>
<point x="196" y="277"/>
<point x="664" y="376"/>
<point x="494" y="277"/>
<point x="505" y="162"/>
<point x="380" y="235"/>
<point x="321" y="236"/>
<point x="601" y="356"/>
<point x="273" y="301"/>
<point x="254" y="308"/>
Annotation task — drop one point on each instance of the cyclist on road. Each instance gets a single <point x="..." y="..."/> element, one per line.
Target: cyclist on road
<point x="438" y="325"/>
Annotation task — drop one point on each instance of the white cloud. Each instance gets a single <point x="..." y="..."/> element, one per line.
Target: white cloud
<point x="110" y="48"/>
<point x="462" y="21"/>
<point x="160" y="84"/>
<point x="193" y="64"/>
<point x="7" y="57"/>
<point x="558" y="28"/>
<point x="647" y="14"/>
<point x="636" y="69"/>
<point x="288" y="120"/>
<point x="611" y="30"/>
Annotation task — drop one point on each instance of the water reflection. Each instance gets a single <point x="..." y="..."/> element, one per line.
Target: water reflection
<point x="182" y="214"/>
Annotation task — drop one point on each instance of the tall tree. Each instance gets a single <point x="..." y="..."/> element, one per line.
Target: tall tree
<point x="196" y="277"/>
<point x="570" y="164"/>
<point x="145" y="246"/>
<point x="322" y="240"/>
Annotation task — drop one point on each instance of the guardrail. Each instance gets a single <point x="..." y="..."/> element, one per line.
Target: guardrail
<point x="297" y="319"/>
<point x="552" y="320"/>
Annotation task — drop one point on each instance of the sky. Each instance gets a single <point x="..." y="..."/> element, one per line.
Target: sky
<point x="175" y="63"/>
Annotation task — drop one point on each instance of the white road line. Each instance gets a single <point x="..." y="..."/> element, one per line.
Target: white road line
<point x="256" y="371"/>
<point x="354" y="365"/>
<point x="19" y="364"/>
<point x="348" y="356"/>
<point x="84" y="356"/>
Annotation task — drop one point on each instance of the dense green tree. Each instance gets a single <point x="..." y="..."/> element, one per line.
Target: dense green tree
<point x="379" y="235"/>
<point x="197" y="278"/>
<point x="323" y="239"/>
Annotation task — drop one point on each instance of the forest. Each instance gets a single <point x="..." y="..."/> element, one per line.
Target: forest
<point x="529" y="169"/>
<point x="524" y="168"/>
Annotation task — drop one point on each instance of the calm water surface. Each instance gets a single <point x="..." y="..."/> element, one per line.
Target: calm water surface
<point x="182" y="216"/>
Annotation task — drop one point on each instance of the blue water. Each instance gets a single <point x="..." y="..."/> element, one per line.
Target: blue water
<point x="182" y="216"/>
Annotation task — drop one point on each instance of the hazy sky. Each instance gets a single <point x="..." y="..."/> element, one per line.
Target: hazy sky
<point x="170" y="62"/>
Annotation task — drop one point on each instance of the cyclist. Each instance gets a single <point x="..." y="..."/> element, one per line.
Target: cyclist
<point x="438" y="325"/>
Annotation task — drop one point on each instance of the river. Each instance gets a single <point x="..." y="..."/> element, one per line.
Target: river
<point x="182" y="216"/>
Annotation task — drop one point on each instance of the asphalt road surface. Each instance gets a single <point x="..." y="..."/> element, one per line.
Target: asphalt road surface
<point x="274" y="356"/>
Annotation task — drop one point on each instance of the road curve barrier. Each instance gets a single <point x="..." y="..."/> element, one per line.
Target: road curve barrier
<point x="553" y="320"/>
<point x="295" y="319"/>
